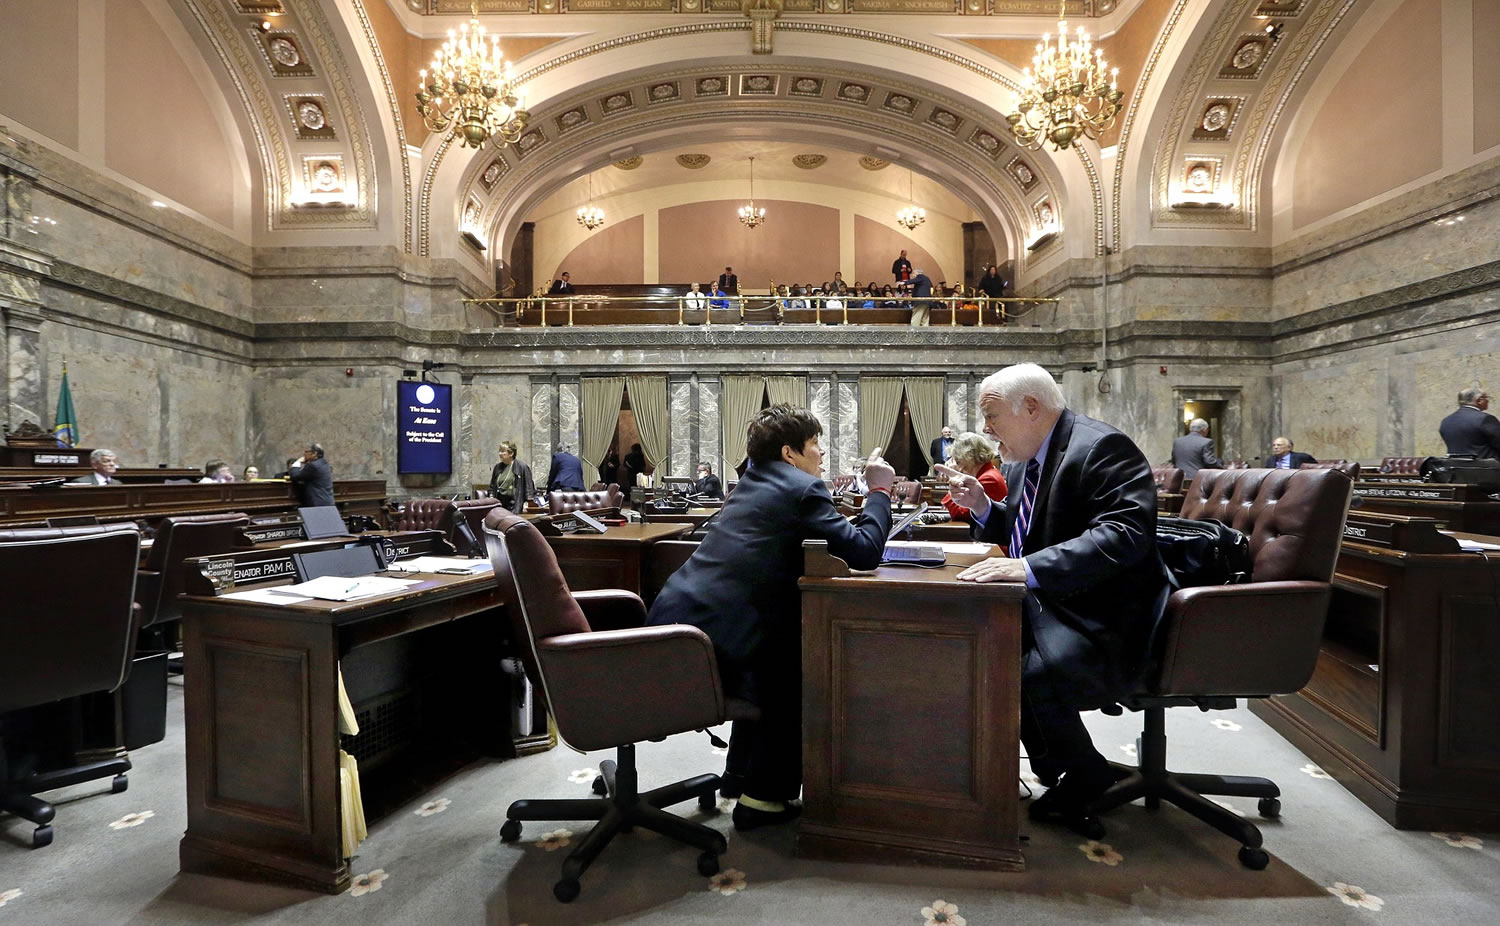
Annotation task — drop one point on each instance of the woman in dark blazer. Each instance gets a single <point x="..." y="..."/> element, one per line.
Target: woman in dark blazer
<point x="510" y="480"/>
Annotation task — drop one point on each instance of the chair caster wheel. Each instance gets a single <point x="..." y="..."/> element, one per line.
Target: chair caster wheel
<point x="707" y="802"/>
<point x="510" y="831"/>
<point x="119" y="784"/>
<point x="1253" y="858"/>
<point x="41" y="837"/>
<point x="600" y="788"/>
<point x="708" y="864"/>
<point x="1269" y="807"/>
<point x="565" y="890"/>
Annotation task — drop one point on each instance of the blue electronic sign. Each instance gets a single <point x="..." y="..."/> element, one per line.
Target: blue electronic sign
<point x="424" y="427"/>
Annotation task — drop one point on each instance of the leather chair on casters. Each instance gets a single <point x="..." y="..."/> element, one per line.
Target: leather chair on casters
<point x="1254" y="640"/>
<point x="61" y="642"/>
<point x="672" y="686"/>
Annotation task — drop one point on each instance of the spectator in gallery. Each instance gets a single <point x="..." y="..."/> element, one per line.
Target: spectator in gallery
<point x="1470" y="429"/>
<point x="510" y="481"/>
<point x="312" y="477"/>
<point x="695" y="300"/>
<point x="728" y="282"/>
<point x="217" y="471"/>
<point x="1284" y="457"/>
<point x="901" y="267"/>
<point x="562" y="286"/>
<point x="717" y="299"/>
<point x="992" y="284"/>
<point x="103" y="462"/>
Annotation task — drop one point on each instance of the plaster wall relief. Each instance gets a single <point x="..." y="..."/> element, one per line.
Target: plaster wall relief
<point x="543" y="415"/>
<point x="710" y="426"/>
<point x="683" y="421"/>
<point x="820" y="403"/>
<point x="959" y="407"/>
<point x="846" y="399"/>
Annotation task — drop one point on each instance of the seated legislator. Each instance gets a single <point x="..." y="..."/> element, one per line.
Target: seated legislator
<point x="972" y="455"/>
<point x="740" y="588"/>
<point x="252" y="473"/>
<point x="706" y="483"/>
<point x="1284" y="457"/>
<point x="1083" y="521"/>
<point x="217" y="471"/>
<point x="103" y="462"/>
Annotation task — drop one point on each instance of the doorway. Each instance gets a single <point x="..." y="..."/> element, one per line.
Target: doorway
<point x="1210" y="410"/>
<point x="904" y="449"/>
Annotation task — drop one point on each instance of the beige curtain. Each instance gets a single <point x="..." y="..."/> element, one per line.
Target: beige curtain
<point x="879" y="407"/>
<point x="740" y="402"/>
<point x="600" y="416"/>
<point x="789" y="389"/>
<point x="648" y="399"/>
<point x="924" y="398"/>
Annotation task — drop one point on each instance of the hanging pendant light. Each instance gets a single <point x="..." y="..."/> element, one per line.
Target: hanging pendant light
<point x="751" y="216"/>
<point x="590" y="216"/>
<point x="912" y="216"/>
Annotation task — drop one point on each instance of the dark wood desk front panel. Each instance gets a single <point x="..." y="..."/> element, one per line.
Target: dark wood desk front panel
<point x="614" y="559"/>
<point x="149" y="502"/>
<point x="902" y="765"/>
<point x="261" y="695"/>
<point x="1401" y="708"/>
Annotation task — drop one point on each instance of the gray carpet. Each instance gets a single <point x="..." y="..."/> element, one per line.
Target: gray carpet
<point x="450" y="867"/>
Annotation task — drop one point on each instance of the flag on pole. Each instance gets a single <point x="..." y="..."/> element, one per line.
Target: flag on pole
<point x="65" y="422"/>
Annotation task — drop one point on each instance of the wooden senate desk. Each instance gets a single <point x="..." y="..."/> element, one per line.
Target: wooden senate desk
<point x="261" y="692"/>
<point x="1401" y="708"/>
<point x="23" y="506"/>
<point x="617" y="558"/>
<point x="1471" y="508"/>
<point x="902" y="764"/>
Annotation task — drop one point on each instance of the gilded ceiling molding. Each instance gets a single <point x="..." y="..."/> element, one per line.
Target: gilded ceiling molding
<point x="424" y="207"/>
<point x="1097" y="191"/>
<point x="623" y="41"/>
<point x="1123" y="145"/>
<point x="336" y="72"/>
<point x="395" y="104"/>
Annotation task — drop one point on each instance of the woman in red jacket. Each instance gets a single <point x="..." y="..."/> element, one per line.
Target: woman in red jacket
<point x="975" y="456"/>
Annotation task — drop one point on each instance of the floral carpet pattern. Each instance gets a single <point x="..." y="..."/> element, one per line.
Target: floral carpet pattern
<point x="439" y="858"/>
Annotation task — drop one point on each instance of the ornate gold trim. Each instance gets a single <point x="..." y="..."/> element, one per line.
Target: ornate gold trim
<point x="1123" y="145"/>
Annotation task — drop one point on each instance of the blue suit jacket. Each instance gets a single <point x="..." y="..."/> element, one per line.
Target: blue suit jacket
<point x="566" y="473"/>
<point x="740" y="587"/>
<point x="1092" y="549"/>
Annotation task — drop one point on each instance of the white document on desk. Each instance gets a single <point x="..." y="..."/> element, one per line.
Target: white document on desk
<point x="343" y="588"/>
<point x="267" y="596"/>
<point x="436" y="563"/>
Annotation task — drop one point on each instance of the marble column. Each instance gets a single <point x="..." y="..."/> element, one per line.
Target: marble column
<point x="24" y="389"/>
<point x="463" y="436"/>
<point x="847" y="442"/>
<point x="820" y="403"/>
<point x="682" y="413"/>
<point x="543" y="402"/>
<point x="710" y="428"/>
<point x="959" y="406"/>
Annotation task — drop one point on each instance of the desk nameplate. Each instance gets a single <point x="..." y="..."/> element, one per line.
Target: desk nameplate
<point x="223" y="572"/>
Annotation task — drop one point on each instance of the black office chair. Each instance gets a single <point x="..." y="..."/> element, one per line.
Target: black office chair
<point x="69" y="629"/>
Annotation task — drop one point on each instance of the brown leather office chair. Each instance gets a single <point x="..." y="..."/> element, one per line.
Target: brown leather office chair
<point x="1223" y="642"/>
<point x="562" y="502"/>
<point x="472" y="513"/>
<point x="673" y="687"/>
<point x="1401" y="466"/>
<point x="179" y="538"/>
<point x="906" y="492"/>
<point x="428" y="514"/>
<point x="1168" y="479"/>
<point x="69" y="629"/>
<point x="839" y="483"/>
<point x="1349" y="468"/>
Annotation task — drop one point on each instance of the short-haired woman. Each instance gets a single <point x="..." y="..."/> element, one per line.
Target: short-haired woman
<point x="510" y="480"/>
<point x="974" y="456"/>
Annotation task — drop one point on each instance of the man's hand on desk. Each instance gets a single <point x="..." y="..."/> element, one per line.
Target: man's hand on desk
<point x="994" y="569"/>
<point x="878" y="473"/>
<point x="966" y="491"/>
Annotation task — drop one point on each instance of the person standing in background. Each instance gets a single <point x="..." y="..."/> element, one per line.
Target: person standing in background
<point x="510" y="481"/>
<point x="312" y="478"/>
<point x="901" y="267"/>
<point x="566" y="472"/>
<point x="1470" y="429"/>
<point x="1194" y="451"/>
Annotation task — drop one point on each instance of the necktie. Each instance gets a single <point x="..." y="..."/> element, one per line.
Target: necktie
<point x="1023" y="513"/>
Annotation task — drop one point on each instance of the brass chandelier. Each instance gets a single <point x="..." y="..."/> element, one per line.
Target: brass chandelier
<point x="751" y="216"/>
<point x="590" y="216"/>
<point x="912" y="216"/>
<point x="471" y="90"/>
<point x="1069" y="91"/>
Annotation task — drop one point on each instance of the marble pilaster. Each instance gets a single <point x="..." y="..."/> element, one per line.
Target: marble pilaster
<point x="710" y="433"/>
<point x="820" y="403"/>
<point x="847" y="442"/>
<point x="959" y="406"/>
<point x="683" y="417"/>
<point x="567" y="418"/>
<point x="543" y="399"/>
<point x="463" y="432"/>
<point x="24" y="399"/>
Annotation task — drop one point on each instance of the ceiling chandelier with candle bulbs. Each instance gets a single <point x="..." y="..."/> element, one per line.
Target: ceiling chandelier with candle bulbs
<point x="750" y="215"/>
<point x="1068" y="93"/>
<point x="469" y="89"/>
<point x="590" y="216"/>
<point x="911" y="216"/>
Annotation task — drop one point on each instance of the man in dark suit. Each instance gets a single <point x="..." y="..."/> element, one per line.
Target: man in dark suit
<point x="740" y="588"/>
<point x="1080" y="522"/>
<point x="566" y="473"/>
<point x="729" y="283"/>
<point x="901" y="267"/>
<point x="1284" y="457"/>
<point x="1194" y="451"/>
<point x="312" y="478"/>
<point x="562" y="286"/>
<point x="1470" y="429"/>
<point x="707" y="484"/>
<point x="103" y="462"/>
<point x="941" y="450"/>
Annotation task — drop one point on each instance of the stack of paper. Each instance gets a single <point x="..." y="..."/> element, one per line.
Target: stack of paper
<point x="442" y="564"/>
<point x="343" y="588"/>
